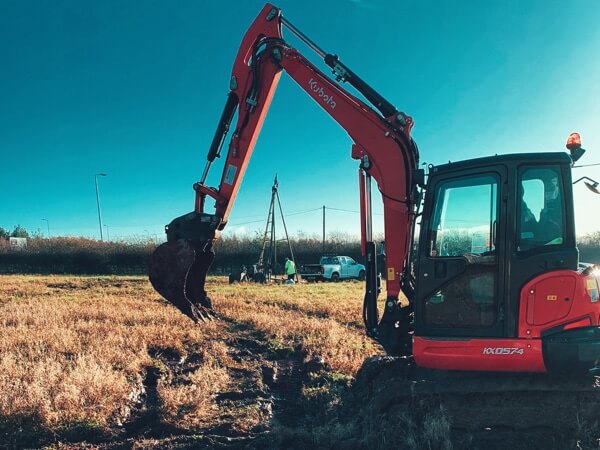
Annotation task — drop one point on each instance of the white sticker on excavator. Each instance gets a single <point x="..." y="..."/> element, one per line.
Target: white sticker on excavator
<point x="230" y="174"/>
<point x="503" y="351"/>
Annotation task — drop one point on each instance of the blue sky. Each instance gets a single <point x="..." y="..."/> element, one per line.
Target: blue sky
<point x="135" y="89"/>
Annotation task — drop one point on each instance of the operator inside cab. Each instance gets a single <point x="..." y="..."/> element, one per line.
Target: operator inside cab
<point x="541" y="208"/>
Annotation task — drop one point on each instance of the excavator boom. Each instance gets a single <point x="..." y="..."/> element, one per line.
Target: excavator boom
<point x="381" y="143"/>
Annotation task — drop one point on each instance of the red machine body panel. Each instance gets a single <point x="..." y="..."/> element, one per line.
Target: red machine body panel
<point x="552" y="302"/>
<point x="566" y="299"/>
<point x="501" y="355"/>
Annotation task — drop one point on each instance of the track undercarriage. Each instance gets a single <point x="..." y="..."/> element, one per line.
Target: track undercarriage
<point x="498" y="410"/>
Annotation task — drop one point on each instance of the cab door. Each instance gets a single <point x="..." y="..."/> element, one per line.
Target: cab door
<point x="460" y="272"/>
<point x="544" y="240"/>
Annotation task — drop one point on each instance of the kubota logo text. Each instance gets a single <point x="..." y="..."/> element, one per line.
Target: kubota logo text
<point x="328" y="99"/>
<point x="503" y="351"/>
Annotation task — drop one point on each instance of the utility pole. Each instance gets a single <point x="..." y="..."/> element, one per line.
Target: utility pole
<point x="98" y="203"/>
<point x="48" y="225"/>
<point x="323" y="229"/>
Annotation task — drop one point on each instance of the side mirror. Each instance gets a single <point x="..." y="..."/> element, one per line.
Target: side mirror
<point x="592" y="185"/>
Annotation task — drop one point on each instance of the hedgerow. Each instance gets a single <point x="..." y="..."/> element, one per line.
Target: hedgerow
<point x="82" y="256"/>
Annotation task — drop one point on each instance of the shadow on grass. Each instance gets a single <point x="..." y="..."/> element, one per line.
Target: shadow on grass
<point x="27" y="431"/>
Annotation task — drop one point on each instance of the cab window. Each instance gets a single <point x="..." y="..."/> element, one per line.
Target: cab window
<point x="464" y="225"/>
<point x="464" y="217"/>
<point x="540" y="208"/>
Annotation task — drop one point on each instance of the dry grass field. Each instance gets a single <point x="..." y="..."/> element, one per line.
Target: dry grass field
<point x="104" y="362"/>
<point x="99" y="360"/>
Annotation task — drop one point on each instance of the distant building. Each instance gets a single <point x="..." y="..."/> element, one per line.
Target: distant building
<point x="18" y="243"/>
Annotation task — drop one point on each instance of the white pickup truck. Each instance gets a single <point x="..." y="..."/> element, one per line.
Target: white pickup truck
<point x="333" y="268"/>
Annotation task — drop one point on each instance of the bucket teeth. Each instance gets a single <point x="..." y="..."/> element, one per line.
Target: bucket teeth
<point x="178" y="273"/>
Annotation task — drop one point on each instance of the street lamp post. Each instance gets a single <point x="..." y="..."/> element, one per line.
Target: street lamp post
<point x="107" y="233"/>
<point x="48" y="226"/>
<point x="98" y="203"/>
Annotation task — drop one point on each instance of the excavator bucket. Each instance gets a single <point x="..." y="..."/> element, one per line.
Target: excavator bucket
<point x="178" y="272"/>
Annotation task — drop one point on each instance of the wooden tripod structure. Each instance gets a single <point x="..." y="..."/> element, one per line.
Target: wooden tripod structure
<point x="268" y="255"/>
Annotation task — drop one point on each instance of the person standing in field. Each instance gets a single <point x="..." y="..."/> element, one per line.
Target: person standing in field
<point x="290" y="269"/>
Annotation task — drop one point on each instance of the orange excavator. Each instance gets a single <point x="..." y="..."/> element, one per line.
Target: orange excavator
<point x="491" y="276"/>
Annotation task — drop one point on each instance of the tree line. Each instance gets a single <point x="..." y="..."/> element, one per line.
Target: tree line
<point x="18" y="232"/>
<point x="77" y="255"/>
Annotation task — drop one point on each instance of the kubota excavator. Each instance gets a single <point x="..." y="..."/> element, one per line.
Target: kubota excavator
<point x="493" y="281"/>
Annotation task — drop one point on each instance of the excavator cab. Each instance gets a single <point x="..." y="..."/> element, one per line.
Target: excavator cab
<point x="488" y="225"/>
<point x="497" y="267"/>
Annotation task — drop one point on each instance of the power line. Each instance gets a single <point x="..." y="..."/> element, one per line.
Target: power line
<point x="289" y="214"/>
<point x="302" y="212"/>
<point x="286" y="215"/>
<point x="61" y="229"/>
<point x="245" y="223"/>
<point x="344" y="210"/>
<point x="586" y="165"/>
<point x="349" y="211"/>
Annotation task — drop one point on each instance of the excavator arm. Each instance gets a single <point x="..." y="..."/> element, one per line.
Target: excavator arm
<point x="381" y="142"/>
